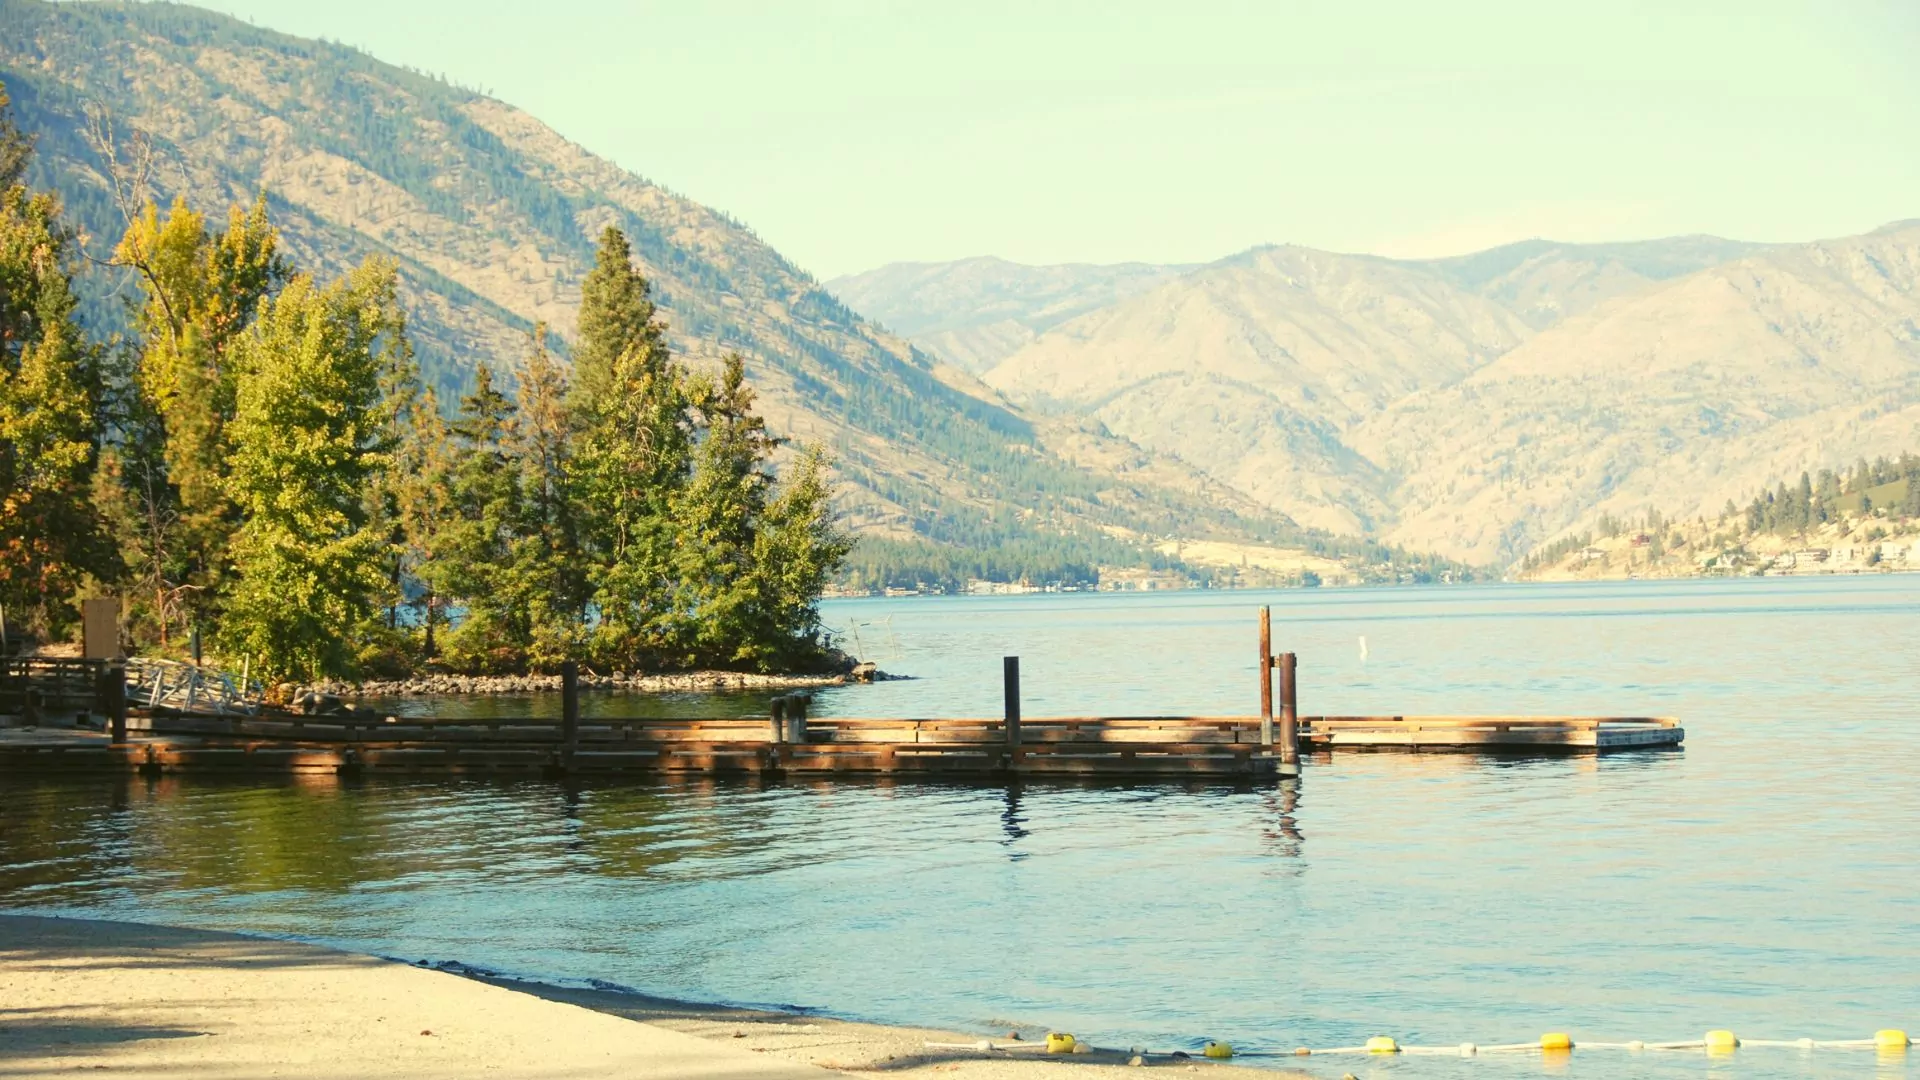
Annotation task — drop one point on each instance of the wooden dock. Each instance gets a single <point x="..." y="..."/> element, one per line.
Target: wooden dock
<point x="788" y="743"/>
<point x="1226" y="747"/>
<point x="1524" y="734"/>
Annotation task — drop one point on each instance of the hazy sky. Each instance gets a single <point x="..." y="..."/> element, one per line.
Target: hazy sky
<point x="850" y="135"/>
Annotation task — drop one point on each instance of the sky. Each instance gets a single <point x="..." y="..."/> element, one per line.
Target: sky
<point x="850" y="135"/>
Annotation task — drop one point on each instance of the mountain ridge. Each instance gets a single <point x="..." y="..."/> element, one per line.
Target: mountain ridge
<point x="1479" y="444"/>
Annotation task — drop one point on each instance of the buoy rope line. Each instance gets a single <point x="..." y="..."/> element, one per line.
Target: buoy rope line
<point x="1890" y="1040"/>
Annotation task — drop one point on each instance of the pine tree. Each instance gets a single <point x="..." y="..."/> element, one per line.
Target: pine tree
<point x="549" y="564"/>
<point x="631" y="408"/>
<point x="416" y="492"/>
<point x="51" y="536"/>
<point x="718" y="614"/>
<point x="616" y="317"/>
<point x="798" y="549"/>
<point x="485" y="516"/>
<point x="310" y="431"/>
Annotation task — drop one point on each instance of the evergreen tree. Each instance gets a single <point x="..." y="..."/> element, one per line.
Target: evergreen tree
<point x="16" y="147"/>
<point x="310" y="430"/>
<point x="632" y="456"/>
<point x="719" y="617"/>
<point x="798" y="549"/>
<point x="616" y="317"/>
<point x="51" y="536"/>
<point x="485" y="516"/>
<point x="549" y="565"/>
<point x="416" y="492"/>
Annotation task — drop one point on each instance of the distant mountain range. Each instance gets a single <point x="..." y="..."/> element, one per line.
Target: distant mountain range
<point x="1477" y="405"/>
<point x="491" y="215"/>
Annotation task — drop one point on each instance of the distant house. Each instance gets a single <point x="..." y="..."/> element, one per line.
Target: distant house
<point x="1641" y="539"/>
<point x="1817" y="555"/>
<point x="1592" y="554"/>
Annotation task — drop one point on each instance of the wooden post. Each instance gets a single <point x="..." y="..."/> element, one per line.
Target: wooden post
<point x="1289" y="709"/>
<point x="779" y="718"/>
<point x="116" y="703"/>
<point x="570" y="705"/>
<point x="1266" y="677"/>
<point x="1010" y="673"/>
<point x="796" y="718"/>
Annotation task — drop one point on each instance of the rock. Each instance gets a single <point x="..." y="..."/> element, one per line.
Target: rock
<point x="864" y="672"/>
<point x="1137" y="1060"/>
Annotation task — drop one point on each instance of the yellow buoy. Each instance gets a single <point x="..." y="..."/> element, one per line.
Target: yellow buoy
<point x="1721" y="1041"/>
<point x="1891" y="1039"/>
<point x="1218" y="1050"/>
<point x="1059" y="1042"/>
<point x="1556" y="1040"/>
<point x="1382" y="1044"/>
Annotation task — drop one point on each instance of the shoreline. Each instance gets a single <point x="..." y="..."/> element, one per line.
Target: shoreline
<point x="87" y="993"/>
<point x="481" y="685"/>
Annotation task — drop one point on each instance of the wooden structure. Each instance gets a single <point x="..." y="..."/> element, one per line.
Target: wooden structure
<point x="789" y="743"/>
<point x="1517" y="733"/>
<point x="39" y="689"/>
<point x="1227" y="747"/>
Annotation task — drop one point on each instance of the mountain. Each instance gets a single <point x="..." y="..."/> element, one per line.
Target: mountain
<point x="973" y="313"/>
<point x="491" y="216"/>
<point x="1678" y="397"/>
<point x="1480" y="405"/>
<point x="1543" y="281"/>
<point x="1255" y="367"/>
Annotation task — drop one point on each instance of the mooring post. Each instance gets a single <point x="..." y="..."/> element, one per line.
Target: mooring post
<point x="570" y="706"/>
<point x="778" y="714"/>
<point x="796" y="717"/>
<point x="116" y="703"/>
<point x="1011" y="674"/>
<point x="1289" y="710"/>
<point x="1266" y="677"/>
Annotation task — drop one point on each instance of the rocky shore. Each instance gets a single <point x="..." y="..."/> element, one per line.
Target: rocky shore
<point x="685" y="681"/>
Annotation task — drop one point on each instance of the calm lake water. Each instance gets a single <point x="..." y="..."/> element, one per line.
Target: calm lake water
<point x="1766" y="878"/>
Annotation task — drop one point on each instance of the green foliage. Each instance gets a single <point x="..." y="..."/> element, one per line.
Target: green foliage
<point x="51" y="537"/>
<point x="1889" y="485"/>
<point x="752" y="561"/>
<point x="309" y="435"/>
<point x="201" y="292"/>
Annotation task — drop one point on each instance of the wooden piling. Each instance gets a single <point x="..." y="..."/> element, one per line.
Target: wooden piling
<point x="570" y="706"/>
<point x="1266" y="676"/>
<point x="797" y="717"/>
<point x="114" y="687"/>
<point x="777" y="714"/>
<point x="1289" y="736"/>
<point x="1010" y="670"/>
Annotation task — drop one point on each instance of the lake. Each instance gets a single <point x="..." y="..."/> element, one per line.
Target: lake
<point x="1765" y="878"/>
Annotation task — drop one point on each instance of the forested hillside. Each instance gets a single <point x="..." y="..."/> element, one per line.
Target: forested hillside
<point x="490" y="218"/>
<point x="1862" y="519"/>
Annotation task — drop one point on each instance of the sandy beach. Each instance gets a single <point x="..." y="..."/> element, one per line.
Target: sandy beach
<point x="84" y="995"/>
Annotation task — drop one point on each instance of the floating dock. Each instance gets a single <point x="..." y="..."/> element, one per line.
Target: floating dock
<point x="1514" y="733"/>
